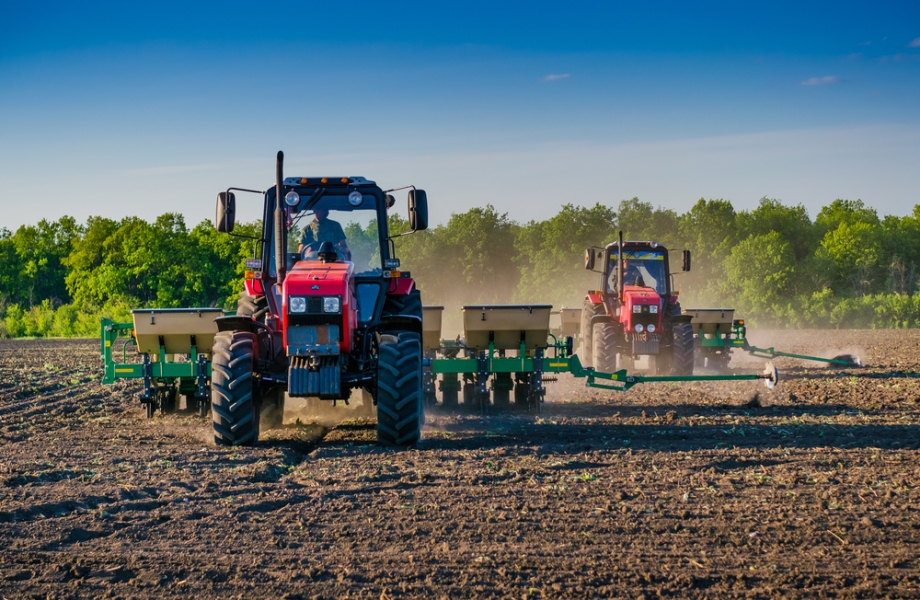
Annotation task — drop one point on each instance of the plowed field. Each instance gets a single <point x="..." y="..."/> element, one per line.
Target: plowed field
<point x="669" y="490"/>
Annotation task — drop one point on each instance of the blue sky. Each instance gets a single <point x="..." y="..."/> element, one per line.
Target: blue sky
<point x="141" y="108"/>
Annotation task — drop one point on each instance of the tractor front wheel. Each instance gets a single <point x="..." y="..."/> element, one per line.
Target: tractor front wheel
<point x="682" y="349"/>
<point x="604" y="338"/>
<point x="399" y="389"/>
<point x="234" y="416"/>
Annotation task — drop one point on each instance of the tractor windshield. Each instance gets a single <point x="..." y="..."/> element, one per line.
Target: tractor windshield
<point x="641" y="267"/>
<point x="351" y="230"/>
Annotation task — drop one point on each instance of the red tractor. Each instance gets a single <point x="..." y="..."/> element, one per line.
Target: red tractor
<point x="334" y="316"/>
<point x="634" y="311"/>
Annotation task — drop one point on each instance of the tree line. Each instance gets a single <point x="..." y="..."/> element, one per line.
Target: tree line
<point x="774" y="264"/>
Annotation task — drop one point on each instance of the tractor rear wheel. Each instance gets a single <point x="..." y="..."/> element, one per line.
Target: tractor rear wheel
<point x="409" y="304"/>
<point x="682" y="349"/>
<point x="233" y="411"/>
<point x="605" y="350"/>
<point x="399" y="389"/>
<point x="589" y="311"/>
<point x="252" y="306"/>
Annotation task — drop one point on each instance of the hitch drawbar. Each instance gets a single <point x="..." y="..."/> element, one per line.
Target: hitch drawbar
<point x="622" y="380"/>
<point x="841" y="360"/>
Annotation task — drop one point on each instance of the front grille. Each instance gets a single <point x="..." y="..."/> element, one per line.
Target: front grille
<point x="314" y="305"/>
<point x="645" y="343"/>
<point x="315" y="320"/>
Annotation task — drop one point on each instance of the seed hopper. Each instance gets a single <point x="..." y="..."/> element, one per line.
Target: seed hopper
<point x="170" y="353"/>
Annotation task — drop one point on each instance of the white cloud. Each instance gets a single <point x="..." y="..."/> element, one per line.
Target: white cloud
<point x="556" y="76"/>
<point x="827" y="79"/>
<point x="915" y="43"/>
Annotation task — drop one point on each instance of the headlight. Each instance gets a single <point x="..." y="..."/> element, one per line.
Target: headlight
<point x="297" y="304"/>
<point x="653" y="308"/>
<point x="651" y="329"/>
<point x="355" y="198"/>
<point x="637" y="308"/>
<point x="639" y="328"/>
<point x="292" y="198"/>
<point x="332" y="304"/>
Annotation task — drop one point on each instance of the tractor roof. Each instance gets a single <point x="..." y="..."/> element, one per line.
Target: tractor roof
<point x="328" y="181"/>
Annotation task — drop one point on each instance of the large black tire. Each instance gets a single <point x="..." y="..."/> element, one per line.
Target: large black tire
<point x="252" y="306"/>
<point x="589" y="311"/>
<point x="399" y="389"/>
<point x="682" y="349"/>
<point x="233" y="411"/>
<point x="408" y="304"/>
<point x="604" y="339"/>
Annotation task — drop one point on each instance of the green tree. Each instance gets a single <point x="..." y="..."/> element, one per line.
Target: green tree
<point x="710" y="232"/>
<point x="792" y="222"/>
<point x="40" y="250"/>
<point x="840" y="211"/>
<point x="760" y="275"/>
<point x="852" y="253"/>
<point x="550" y="254"/>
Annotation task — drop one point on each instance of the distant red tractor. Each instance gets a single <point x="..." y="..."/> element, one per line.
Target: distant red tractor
<point x="334" y="316"/>
<point x="634" y="311"/>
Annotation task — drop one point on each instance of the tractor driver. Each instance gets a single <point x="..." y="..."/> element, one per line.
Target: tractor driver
<point x="631" y="274"/>
<point x="323" y="229"/>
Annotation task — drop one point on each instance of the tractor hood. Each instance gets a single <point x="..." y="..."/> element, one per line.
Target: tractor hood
<point x="314" y="278"/>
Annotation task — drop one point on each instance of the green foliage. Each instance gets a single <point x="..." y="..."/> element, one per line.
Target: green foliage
<point x="848" y="268"/>
<point x="760" y="272"/>
<point x="550" y="254"/>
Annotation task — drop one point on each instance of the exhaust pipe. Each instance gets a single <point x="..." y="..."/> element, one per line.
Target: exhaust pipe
<point x="620" y="285"/>
<point x="280" y="233"/>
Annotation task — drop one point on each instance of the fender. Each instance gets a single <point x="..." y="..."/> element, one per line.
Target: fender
<point x="400" y="286"/>
<point x="254" y="287"/>
<point x="594" y="298"/>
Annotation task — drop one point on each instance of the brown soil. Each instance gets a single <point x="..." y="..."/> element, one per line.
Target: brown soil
<point x="675" y="490"/>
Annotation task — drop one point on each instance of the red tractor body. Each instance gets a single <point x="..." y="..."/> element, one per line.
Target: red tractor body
<point x="331" y="314"/>
<point x="634" y="312"/>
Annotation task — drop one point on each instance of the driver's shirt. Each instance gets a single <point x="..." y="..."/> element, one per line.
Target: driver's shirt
<point x="326" y="230"/>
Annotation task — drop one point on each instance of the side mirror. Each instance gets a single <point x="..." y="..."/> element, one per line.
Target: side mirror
<point x="418" y="210"/>
<point x="226" y="212"/>
<point x="592" y="255"/>
<point x="686" y="265"/>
